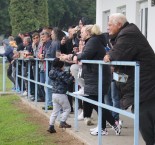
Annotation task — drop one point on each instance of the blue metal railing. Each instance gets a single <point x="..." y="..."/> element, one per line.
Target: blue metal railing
<point x="3" y="74"/>
<point x="100" y="105"/>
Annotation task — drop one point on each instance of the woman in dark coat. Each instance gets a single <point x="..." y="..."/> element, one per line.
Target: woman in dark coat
<point x="94" y="50"/>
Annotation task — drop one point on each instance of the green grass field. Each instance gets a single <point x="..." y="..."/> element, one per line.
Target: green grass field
<point x="14" y="127"/>
<point x="8" y="83"/>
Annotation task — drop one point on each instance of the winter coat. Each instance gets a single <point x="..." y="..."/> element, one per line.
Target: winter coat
<point x="60" y="80"/>
<point x="8" y="50"/>
<point x="130" y="45"/>
<point x="94" y="49"/>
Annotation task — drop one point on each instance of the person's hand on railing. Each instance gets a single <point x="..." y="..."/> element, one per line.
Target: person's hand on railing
<point x="106" y="58"/>
<point x="12" y="61"/>
<point x="41" y="56"/>
<point x="75" y="59"/>
<point x="64" y="57"/>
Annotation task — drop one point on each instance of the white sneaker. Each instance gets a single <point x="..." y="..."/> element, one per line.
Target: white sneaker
<point x="88" y="121"/>
<point x="117" y="129"/>
<point x="25" y="93"/>
<point x="80" y="117"/>
<point x="103" y="132"/>
<point x="120" y="123"/>
<point x="79" y="111"/>
<point x="93" y="129"/>
<point x="80" y="92"/>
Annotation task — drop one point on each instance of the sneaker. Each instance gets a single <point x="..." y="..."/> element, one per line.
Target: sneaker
<point x="51" y="129"/>
<point x="103" y="132"/>
<point x="119" y="122"/>
<point x="48" y="108"/>
<point x="25" y="93"/>
<point x="64" y="125"/>
<point x="80" y="117"/>
<point x="88" y="121"/>
<point x="80" y="92"/>
<point x="79" y="111"/>
<point x="13" y="89"/>
<point x="93" y="129"/>
<point x="17" y="90"/>
<point x="117" y="129"/>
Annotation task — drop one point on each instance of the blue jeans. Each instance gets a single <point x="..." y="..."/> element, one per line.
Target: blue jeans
<point x="112" y="99"/>
<point x="42" y="76"/>
<point x="49" y="91"/>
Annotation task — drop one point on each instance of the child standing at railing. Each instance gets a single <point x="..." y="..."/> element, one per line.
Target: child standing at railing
<point x="60" y="80"/>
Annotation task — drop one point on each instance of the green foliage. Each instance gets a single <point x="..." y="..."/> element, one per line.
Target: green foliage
<point x="5" y="27"/>
<point x="64" y="13"/>
<point x="41" y="12"/>
<point x="25" y="15"/>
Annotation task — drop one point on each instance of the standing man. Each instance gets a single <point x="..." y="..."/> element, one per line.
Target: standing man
<point x="129" y="44"/>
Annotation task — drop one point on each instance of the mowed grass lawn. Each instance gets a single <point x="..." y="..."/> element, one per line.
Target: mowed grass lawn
<point x="15" y="129"/>
<point x="8" y="83"/>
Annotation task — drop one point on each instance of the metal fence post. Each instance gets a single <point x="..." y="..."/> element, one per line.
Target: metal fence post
<point x="16" y="74"/>
<point x="22" y="81"/>
<point x="76" y="107"/>
<point x="28" y="79"/>
<point x="46" y="82"/>
<point x="4" y="75"/>
<point x="100" y="101"/>
<point x="36" y="79"/>
<point x="136" y="106"/>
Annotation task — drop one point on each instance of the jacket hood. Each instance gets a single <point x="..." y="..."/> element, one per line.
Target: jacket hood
<point x="6" y="42"/>
<point x="102" y="39"/>
<point x="55" y="73"/>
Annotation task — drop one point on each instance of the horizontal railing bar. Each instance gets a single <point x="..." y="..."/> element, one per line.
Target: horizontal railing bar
<point x="123" y="112"/>
<point x="45" y="85"/>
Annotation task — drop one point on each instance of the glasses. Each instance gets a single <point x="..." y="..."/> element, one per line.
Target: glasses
<point x="35" y="37"/>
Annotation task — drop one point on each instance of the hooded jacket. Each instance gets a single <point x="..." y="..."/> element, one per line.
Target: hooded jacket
<point x="8" y="50"/>
<point x="60" y="80"/>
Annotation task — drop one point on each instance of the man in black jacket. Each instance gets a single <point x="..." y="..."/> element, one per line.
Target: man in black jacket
<point x="130" y="45"/>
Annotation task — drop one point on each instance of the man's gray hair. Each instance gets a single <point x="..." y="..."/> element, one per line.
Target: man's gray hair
<point x="118" y="18"/>
<point x="28" y="39"/>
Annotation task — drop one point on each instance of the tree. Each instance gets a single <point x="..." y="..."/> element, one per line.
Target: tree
<point x="25" y="15"/>
<point x="5" y="27"/>
<point x="41" y="12"/>
<point x="64" y="13"/>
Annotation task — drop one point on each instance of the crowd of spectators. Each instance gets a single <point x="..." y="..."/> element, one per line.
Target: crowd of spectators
<point x="123" y="42"/>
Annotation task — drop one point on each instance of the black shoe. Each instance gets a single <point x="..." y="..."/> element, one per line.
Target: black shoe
<point x="48" y="108"/>
<point x="51" y="129"/>
<point x="40" y="100"/>
<point x="64" y="125"/>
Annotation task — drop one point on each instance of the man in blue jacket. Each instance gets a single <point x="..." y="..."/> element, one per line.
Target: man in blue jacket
<point x="8" y="52"/>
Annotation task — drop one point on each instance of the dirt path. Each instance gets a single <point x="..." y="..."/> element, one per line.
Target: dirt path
<point x="59" y="138"/>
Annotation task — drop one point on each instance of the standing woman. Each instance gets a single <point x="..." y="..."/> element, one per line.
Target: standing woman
<point x="94" y="50"/>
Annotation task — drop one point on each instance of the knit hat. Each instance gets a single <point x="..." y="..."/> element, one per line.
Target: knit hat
<point x="57" y="63"/>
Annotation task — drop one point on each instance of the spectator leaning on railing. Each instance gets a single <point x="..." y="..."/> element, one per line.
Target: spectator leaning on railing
<point x="9" y="54"/>
<point x="130" y="45"/>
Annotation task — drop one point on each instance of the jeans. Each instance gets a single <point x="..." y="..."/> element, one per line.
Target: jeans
<point x="42" y="76"/>
<point x="112" y="99"/>
<point x="49" y="92"/>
